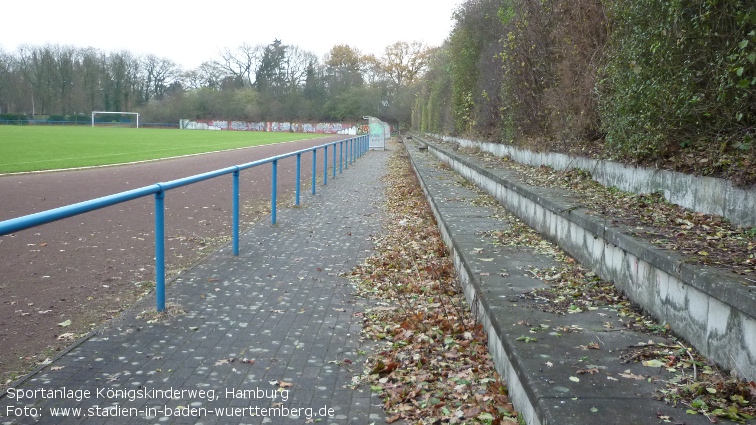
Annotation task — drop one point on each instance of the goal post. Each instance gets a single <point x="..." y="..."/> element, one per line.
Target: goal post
<point x="115" y="113"/>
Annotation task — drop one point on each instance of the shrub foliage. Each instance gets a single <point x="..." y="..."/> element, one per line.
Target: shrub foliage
<point x="644" y="81"/>
<point x="678" y="73"/>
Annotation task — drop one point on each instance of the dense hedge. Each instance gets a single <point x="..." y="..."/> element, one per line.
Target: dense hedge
<point x="679" y="72"/>
<point x="645" y="81"/>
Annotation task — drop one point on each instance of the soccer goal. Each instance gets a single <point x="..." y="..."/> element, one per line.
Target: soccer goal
<point x="116" y="121"/>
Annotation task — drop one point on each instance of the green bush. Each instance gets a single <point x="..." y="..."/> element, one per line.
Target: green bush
<point x="13" y="119"/>
<point x="79" y="118"/>
<point x="679" y="73"/>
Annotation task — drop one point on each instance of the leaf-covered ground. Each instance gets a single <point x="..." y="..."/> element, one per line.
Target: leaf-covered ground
<point x="703" y="239"/>
<point x="432" y="363"/>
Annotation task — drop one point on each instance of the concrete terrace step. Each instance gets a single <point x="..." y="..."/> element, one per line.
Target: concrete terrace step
<point x="547" y="377"/>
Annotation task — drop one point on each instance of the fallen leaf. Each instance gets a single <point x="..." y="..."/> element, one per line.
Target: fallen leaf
<point x="65" y="324"/>
<point x="66" y="336"/>
<point x="653" y="363"/>
<point x="632" y="376"/>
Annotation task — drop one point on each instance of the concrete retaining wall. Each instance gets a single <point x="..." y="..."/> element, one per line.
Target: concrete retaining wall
<point x="714" y="311"/>
<point x="703" y="194"/>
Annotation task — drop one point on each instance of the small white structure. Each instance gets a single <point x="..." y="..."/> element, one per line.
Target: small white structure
<point x="379" y="132"/>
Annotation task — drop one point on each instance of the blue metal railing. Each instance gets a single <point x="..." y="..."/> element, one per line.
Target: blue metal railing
<point x="355" y="148"/>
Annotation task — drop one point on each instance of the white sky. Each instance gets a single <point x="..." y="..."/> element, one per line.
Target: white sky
<point x="191" y="32"/>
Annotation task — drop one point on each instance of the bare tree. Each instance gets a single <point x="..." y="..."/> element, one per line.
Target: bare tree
<point x="121" y="85"/>
<point x="157" y="75"/>
<point x="296" y="63"/>
<point x="241" y="63"/>
<point x="208" y="74"/>
<point x="9" y="83"/>
<point x="64" y="59"/>
<point x="92" y="77"/>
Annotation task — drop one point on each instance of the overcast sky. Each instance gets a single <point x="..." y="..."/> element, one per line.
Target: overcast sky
<point x="191" y="32"/>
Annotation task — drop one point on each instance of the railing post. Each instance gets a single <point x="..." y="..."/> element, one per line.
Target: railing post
<point x="160" y="250"/>
<point x="235" y="207"/>
<point x="298" y="177"/>
<point x="325" y="165"/>
<point x="341" y="156"/>
<point x="314" y="168"/>
<point x="273" y="191"/>
<point x="333" y="166"/>
<point x="346" y="158"/>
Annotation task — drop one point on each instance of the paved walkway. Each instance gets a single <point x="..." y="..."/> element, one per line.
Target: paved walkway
<point x="271" y="336"/>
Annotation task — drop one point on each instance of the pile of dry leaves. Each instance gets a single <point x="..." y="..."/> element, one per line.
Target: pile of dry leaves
<point x="432" y="363"/>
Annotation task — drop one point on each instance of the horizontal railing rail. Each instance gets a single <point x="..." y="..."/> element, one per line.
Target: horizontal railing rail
<point x="349" y="150"/>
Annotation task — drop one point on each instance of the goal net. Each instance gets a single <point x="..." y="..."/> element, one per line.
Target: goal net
<point x="115" y="119"/>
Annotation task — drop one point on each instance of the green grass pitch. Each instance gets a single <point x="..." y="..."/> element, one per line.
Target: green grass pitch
<point x="34" y="148"/>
